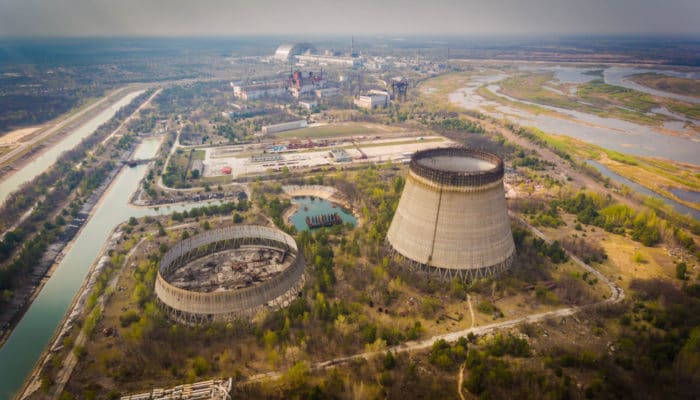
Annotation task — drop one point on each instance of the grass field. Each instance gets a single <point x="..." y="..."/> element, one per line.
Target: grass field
<point x="198" y="155"/>
<point x="682" y="86"/>
<point x="593" y="97"/>
<point x="330" y="131"/>
<point x="654" y="174"/>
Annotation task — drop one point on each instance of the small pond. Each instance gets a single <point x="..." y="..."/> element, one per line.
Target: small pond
<point x="314" y="207"/>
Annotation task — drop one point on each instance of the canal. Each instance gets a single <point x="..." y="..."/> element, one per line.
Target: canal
<point x="33" y="333"/>
<point x="42" y="162"/>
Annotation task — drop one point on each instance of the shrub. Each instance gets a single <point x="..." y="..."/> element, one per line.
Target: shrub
<point x="128" y="318"/>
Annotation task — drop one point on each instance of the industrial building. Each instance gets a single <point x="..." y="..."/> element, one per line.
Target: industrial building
<point x="307" y="53"/>
<point x="340" y="155"/>
<point x="452" y="220"/>
<point x="330" y="60"/>
<point x="285" y="126"/>
<point x="288" y="51"/>
<point x="327" y="92"/>
<point x="258" y="90"/>
<point x="373" y="99"/>
<point x="300" y="83"/>
<point x="228" y="274"/>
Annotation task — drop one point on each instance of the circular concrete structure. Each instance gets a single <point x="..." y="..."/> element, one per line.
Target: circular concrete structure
<point x="452" y="219"/>
<point x="228" y="274"/>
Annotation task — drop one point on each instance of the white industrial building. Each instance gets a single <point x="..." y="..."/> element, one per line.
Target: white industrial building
<point x="288" y="51"/>
<point x="308" y="104"/>
<point x="255" y="91"/>
<point x="328" y="60"/>
<point x="327" y="92"/>
<point x="286" y="126"/>
<point x="373" y="99"/>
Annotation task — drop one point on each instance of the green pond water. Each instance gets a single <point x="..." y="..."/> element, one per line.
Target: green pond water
<point x="313" y="206"/>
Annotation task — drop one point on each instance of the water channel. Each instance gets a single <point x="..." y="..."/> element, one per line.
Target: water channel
<point x="315" y="207"/>
<point x="42" y="162"/>
<point x="617" y="76"/>
<point x="610" y="133"/>
<point x="31" y="336"/>
<point x="681" y="208"/>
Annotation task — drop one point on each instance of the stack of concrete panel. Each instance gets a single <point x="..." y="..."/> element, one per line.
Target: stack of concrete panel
<point x="452" y="218"/>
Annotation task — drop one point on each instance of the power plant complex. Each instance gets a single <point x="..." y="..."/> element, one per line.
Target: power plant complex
<point x="229" y="273"/>
<point x="452" y="220"/>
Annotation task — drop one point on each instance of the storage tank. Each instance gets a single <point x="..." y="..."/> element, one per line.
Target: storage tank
<point x="452" y="219"/>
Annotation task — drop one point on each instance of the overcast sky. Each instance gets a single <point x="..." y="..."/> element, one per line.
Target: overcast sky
<point x="250" y="17"/>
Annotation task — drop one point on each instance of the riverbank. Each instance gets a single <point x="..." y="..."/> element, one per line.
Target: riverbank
<point x="55" y="254"/>
<point x="50" y="134"/>
<point x="76" y="309"/>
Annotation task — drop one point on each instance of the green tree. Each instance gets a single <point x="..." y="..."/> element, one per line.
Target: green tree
<point x="681" y="269"/>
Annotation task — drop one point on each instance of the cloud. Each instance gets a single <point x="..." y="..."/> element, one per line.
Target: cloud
<point x="249" y="17"/>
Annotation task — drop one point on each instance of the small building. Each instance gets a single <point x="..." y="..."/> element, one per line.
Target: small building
<point x="340" y="155"/>
<point x="327" y="92"/>
<point x="308" y="104"/>
<point x="255" y="91"/>
<point x="286" y="126"/>
<point x="373" y="99"/>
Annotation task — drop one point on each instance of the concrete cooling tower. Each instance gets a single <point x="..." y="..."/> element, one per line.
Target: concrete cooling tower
<point x="452" y="219"/>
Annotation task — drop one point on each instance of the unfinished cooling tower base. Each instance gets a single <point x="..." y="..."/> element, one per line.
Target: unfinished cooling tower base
<point x="229" y="274"/>
<point x="246" y="315"/>
<point x="447" y="274"/>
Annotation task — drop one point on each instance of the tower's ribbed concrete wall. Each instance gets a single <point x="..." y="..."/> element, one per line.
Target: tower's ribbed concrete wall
<point x="452" y="217"/>
<point x="195" y="307"/>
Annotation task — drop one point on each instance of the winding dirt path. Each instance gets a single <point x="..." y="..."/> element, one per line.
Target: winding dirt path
<point x="617" y="294"/>
<point x="460" y="380"/>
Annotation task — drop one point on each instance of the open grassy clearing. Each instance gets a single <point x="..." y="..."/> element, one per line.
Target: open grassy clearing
<point x="593" y="97"/>
<point x="654" y="174"/>
<point x="440" y="87"/>
<point x="626" y="259"/>
<point x="484" y="92"/>
<point x="682" y="86"/>
<point x="330" y="131"/>
<point x="198" y="155"/>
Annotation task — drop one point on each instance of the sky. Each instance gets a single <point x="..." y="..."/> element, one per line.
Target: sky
<point x="254" y="17"/>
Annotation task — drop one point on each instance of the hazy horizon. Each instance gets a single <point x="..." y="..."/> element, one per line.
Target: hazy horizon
<point x="216" y="18"/>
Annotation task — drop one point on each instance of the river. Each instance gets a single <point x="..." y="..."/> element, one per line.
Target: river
<point x="31" y="336"/>
<point x="617" y="76"/>
<point x="610" y="133"/>
<point x="48" y="158"/>
<point x="681" y="208"/>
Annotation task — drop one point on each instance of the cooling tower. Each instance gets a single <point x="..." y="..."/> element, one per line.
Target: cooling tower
<point x="452" y="219"/>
